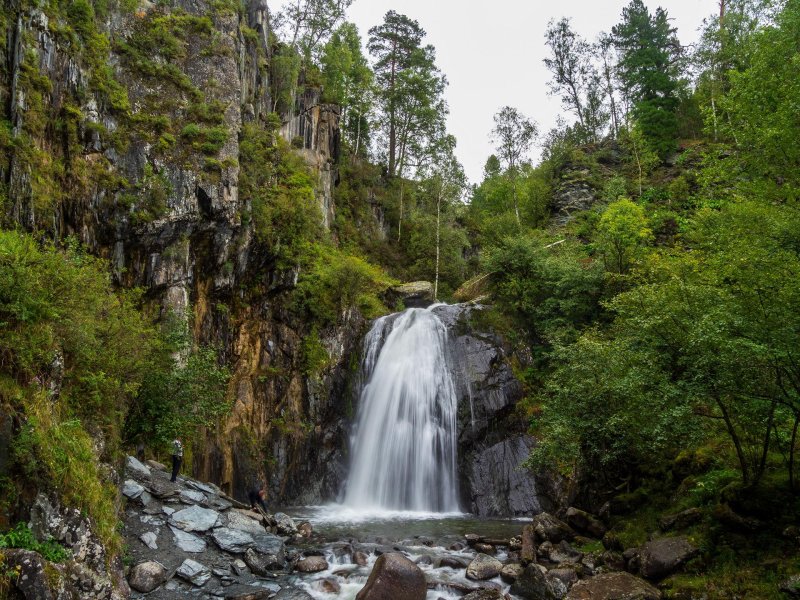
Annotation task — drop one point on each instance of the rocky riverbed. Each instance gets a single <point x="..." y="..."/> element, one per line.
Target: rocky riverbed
<point x="190" y="540"/>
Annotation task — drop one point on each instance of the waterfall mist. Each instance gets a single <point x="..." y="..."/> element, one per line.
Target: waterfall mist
<point x="404" y="445"/>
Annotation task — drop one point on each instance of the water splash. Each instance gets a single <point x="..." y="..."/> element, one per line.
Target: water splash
<point x="404" y="446"/>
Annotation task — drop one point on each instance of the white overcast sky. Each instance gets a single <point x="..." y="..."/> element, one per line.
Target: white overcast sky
<point x="491" y="53"/>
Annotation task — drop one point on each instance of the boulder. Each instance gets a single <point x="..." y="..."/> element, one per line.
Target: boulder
<point x="485" y="594"/>
<point x="36" y="579"/>
<point x="563" y="553"/>
<point x="304" y="529"/>
<point x="485" y="548"/>
<point x="188" y="542"/>
<point x="550" y="528"/>
<point x="360" y="558"/>
<point x="247" y="592"/>
<point x="567" y="576"/>
<point x="394" y="577"/>
<point x="131" y="489"/>
<point x="532" y="585"/>
<point x="452" y="562"/>
<point x="527" y="553"/>
<point x="414" y="293"/>
<point x="633" y="560"/>
<point x="194" y="572"/>
<point x="510" y="573"/>
<point x="191" y="496"/>
<point x="163" y="489"/>
<point x="613" y="586"/>
<point x="154" y="464"/>
<point x="473" y="538"/>
<point x="243" y="522"/>
<point x="285" y="524"/>
<point x="136" y="469"/>
<point x="681" y="520"/>
<point x="484" y="567"/>
<point x="585" y="522"/>
<point x="270" y="546"/>
<point x="194" y="518"/>
<point x="292" y="594"/>
<point x="663" y="557"/>
<point x="613" y="561"/>
<point x="147" y="576"/>
<point x="328" y="586"/>
<point x="311" y="564"/>
<point x="232" y="540"/>
<point x="260" y="564"/>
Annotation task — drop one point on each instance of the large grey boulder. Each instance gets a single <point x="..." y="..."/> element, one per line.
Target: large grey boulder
<point x="550" y="528"/>
<point x="242" y="522"/>
<point x="196" y="573"/>
<point x="270" y="546"/>
<point x="663" y="557"/>
<point x="232" y="540"/>
<point x="131" y="489"/>
<point x="532" y="585"/>
<point x="137" y="470"/>
<point x="194" y="518"/>
<point x="484" y="567"/>
<point x="188" y="542"/>
<point x="191" y="496"/>
<point x="613" y="586"/>
<point x="394" y="577"/>
<point x="147" y="576"/>
<point x="585" y="523"/>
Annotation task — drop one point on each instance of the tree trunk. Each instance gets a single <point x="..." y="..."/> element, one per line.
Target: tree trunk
<point x="400" y="218"/>
<point x="438" y="221"/>
<point x="735" y="438"/>
<point x="791" y="451"/>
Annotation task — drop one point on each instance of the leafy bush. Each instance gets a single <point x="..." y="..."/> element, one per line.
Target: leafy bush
<point x="22" y="537"/>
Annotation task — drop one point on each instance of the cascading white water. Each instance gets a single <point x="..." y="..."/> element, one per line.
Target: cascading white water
<point x="404" y="446"/>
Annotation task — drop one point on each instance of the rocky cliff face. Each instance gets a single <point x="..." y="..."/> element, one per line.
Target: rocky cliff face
<point x="492" y="441"/>
<point x="133" y="147"/>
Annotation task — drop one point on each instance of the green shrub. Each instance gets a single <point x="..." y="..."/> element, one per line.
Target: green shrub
<point x="22" y="537"/>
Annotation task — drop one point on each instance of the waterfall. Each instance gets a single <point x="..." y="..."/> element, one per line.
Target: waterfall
<point x="404" y="445"/>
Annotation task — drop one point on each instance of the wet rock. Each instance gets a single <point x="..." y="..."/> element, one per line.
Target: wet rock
<point x="292" y="594"/>
<point x="613" y="586"/>
<point x="194" y="518"/>
<point x="147" y="576"/>
<point x="136" y="469"/>
<point x="360" y="558"/>
<point x="260" y="564"/>
<point x="196" y="573"/>
<point x="486" y="549"/>
<point x="484" y="567"/>
<point x="394" y="577"/>
<point x="510" y="573"/>
<point x="485" y="594"/>
<point x="681" y="520"/>
<point x="131" y="489"/>
<point x="567" y="576"/>
<point x="527" y="553"/>
<point x="285" y="524"/>
<point x="452" y="562"/>
<point x="414" y="294"/>
<point x="232" y="540"/>
<point x="456" y="546"/>
<point x="149" y="539"/>
<point x="304" y="529"/>
<point x="187" y="541"/>
<point x="311" y="564"/>
<point x="270" y="546"/>
<point x="328" y="586"/>
<point x="585" y="522"/>
<point x="663" y="557"/>
<point x="424" y="560"/>
<point x="472" y="538"/>
<point x="550" y="528"/>
<point x="532" y="585"/>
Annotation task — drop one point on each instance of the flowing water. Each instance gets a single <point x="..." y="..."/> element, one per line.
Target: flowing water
<point x="402" y="490"/>
<point x="404" y="444"/>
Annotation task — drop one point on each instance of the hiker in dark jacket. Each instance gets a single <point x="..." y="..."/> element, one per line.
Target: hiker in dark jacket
<point x="256" y="496"/>
<point x="177" y="457"/>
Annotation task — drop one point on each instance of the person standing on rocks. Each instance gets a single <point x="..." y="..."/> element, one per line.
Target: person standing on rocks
<point x="177" y="457"/>
<point x="256" y="496"/>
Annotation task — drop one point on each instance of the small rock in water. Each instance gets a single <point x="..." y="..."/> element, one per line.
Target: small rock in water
<point x="304" y="529"/>
<point x="485" y="548"/>
<point x="311" y="564"/>
<point x="451" y="562"/>
<point x="328" y="586"/>
<point x="473" y="538"/>
<point x="360" y="558"/>
<point x="394" y="577"/>
<point x="484" y="567"/>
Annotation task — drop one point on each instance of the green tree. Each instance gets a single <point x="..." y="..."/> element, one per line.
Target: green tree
<point x="410" y="88"/>
<point x="622" y="234"/>
<point x="309" y="23"/>
<point x="648" y="67"/>
<point x="349" y="82"/>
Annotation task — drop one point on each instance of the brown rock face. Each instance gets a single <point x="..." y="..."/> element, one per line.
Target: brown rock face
<point x="394" y="577"/>
<point x="613" y="586"/>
